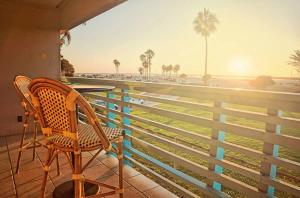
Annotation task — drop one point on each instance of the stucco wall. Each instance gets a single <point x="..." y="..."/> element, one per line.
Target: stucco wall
<point x="29" y="45"/>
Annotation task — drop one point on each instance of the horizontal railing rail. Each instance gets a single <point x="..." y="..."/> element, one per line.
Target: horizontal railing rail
<point x="214" y="164"/>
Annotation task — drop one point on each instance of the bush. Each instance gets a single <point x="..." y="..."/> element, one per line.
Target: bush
<point x="206" y="77"/>
<point x="67" y="68"/>
<point x="262" y="82"/>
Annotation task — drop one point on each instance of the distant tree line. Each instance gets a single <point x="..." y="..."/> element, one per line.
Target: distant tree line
<point x="146" y="59"/>
<point x="167" y="70"/>
<point x="67" y="69"/>
<point x="262" y="82"/>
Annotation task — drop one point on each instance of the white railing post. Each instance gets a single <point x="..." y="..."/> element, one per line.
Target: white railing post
<point x="126" y="121"/>
<point x="266" y="168"/>
<point x="216" y="151"/>
<point x="111" y="115"/>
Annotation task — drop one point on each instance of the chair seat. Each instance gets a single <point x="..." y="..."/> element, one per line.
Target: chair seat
<point x="87" y="137"/>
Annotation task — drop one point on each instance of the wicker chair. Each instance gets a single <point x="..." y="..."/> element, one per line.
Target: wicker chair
<point x="21" y="84"/>
<point x="56" y="105"/>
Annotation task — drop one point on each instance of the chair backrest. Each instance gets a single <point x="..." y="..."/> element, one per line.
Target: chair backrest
<point x="56" y="105"/>
<point x="21" y="84"/>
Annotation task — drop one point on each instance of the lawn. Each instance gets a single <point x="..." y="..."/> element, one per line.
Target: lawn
<point x="235" y="157"/>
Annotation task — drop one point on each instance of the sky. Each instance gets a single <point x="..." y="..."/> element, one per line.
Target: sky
<point x="254" y="37"/>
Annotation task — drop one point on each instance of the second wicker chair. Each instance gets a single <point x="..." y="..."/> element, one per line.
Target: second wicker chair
<point x="56" y="105"/>
<point x="21" y="84"/>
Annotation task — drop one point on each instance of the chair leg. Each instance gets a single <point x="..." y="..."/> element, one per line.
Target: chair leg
<point x="34" y="138"/>
<point x="25" y="125"/>
<point x="57" y="165"/>
<point x="46" y="171"/>
<point x="78" y="187"/>
<point x="120" y="158"/>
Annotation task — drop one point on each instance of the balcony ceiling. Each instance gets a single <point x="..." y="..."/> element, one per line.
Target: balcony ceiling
<point x="72" y="12"/>
<point x="43" y="3"/>
<point x="48" y="4"/>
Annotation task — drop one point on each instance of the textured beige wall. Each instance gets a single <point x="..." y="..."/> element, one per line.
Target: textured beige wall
<point x="29" y="45"/>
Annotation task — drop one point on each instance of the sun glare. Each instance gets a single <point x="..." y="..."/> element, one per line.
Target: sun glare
<point x="239" y="66"/>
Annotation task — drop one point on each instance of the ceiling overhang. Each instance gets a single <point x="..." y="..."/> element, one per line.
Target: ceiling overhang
<point x="76" y="12"/>
<point x="70" y="13"/>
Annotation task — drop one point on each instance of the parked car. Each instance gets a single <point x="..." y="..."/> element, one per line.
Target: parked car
<point x="103" y="103"/>
<point x="100" y="102"/>
<point x="136" y="100"/>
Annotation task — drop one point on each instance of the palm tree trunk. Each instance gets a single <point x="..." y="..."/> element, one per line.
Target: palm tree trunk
<point x="149" y="70"/>
<point x="205" y="72"/>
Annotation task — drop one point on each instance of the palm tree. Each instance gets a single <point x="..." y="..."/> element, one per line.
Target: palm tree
<point x="295" y="60"/>
<point x="141" y="70"/>
<point x="164" y="70"/>
<point x="176" y="68"/>
<point x="149" y="55"/>
<point x="145" y="65"/>
<point x="205" y="24"/>
<point x="170" y="69"/>
<point x="117" y="64"/>
<point x="65" y="38"/>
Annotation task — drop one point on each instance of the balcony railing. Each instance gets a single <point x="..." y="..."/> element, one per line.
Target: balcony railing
<point x="201" y="140"/>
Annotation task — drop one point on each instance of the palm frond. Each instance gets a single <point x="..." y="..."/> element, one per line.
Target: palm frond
<point x="295" y="60"/>
<point x="65" y="39"/>
<point x="205" y="23"/>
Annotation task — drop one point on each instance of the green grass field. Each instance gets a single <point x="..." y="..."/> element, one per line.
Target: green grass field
<point x="235" y="157"/>
<point x="238" y="158"/>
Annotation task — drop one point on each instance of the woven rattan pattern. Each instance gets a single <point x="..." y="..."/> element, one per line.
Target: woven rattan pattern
<point x="87" y="137"/>
<point x="54" y="109"/>
<point x="22" y="83"/>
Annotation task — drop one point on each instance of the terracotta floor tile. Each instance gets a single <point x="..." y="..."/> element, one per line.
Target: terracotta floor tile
<point x="142" y="182"/>
<point x="130" y="192"/>
<point x="66" y="175"/>
<point x="42" y="153"/>
<point x="95" y="162"/>
<point x="27" y="164"/>
<point x="103" y="169"/>
<point x="32" y="189"/>
<point x="112" y="180"/>
<point x="2" y="143"/>
<point x="26" y="155"/>
<point x="13" y="141"/>
<point x="5" y="174"/>
<point x="4" y="165"/>
<point x="29" y="175"/>
<point x="97" y="172"/>
<point x="159" y="192"/>
<point x="3" y="155"/>
<point x="7" y="187"/>
<point x="128" y="172"/>
<point x="109" y="161"/>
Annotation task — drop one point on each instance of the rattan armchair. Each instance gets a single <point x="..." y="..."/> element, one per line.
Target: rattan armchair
<point x="21" y="84"/>
<point x="56" y="105"/>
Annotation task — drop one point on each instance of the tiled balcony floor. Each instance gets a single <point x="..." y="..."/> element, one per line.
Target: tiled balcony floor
<point x="27" y="183"/>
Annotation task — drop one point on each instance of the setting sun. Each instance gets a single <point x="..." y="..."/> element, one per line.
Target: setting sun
<point x="239" y="66"/>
